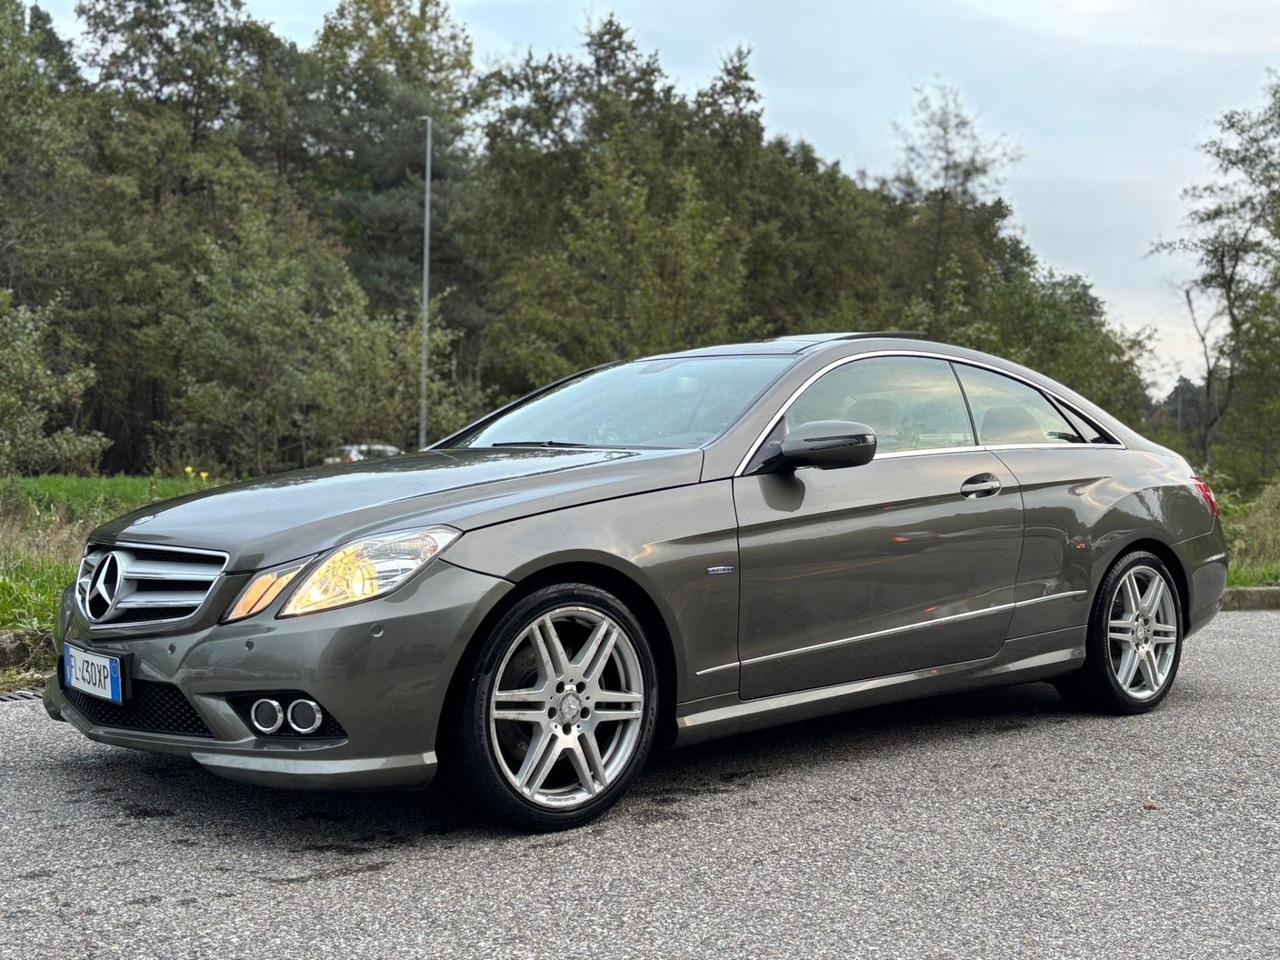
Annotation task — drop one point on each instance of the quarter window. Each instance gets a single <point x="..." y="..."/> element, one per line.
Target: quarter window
<point x="1009" y="411"/>
<point x="1090" y="431"/>
<point x="912" y="403"/>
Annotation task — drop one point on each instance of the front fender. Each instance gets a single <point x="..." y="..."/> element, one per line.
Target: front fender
<point x="679" y="546"/>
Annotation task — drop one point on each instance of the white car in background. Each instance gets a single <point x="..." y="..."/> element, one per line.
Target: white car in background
<point x="351" y="452"/>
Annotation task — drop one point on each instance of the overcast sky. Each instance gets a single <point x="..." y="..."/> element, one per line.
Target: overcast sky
<point x="1107" y="99"/>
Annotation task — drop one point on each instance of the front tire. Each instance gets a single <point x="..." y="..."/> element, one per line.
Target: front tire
<point x="1135" y="638"/>
<point x="560" y="711"/>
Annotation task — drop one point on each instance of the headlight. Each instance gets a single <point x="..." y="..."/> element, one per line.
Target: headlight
<point x="367" y="568"/>
<point x="263" y="589"/>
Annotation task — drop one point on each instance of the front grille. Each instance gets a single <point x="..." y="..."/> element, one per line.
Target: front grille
<point x="122" y="584"/>
<point x="151" y="706"/>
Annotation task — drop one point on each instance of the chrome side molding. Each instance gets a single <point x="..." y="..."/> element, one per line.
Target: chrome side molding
<point x="953" y="618"/>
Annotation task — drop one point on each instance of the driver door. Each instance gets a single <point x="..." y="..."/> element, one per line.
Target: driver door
<point x="904" y="563"/>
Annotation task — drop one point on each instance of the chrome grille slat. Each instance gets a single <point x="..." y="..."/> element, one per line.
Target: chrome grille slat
<point x="162" y="598"/>
<point x="131" y="590"/>
<point x="158" y="570"/>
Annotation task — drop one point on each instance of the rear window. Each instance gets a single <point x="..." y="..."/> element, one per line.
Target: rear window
<point x="1008" y="411"/>
<point x="1091" y="432"/>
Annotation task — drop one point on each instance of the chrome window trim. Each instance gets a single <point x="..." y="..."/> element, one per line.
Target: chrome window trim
<point x="927" y="451"/>
<point x="841" y="361"/>
<point x="1051" y="446"/>
<point x="890" y="631"/>
<point x="139" y="626"/>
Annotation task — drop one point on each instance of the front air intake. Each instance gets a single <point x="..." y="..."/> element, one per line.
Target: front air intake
<point x="152" y="706"/>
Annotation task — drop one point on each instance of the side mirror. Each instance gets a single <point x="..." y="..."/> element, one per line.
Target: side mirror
<point x="828" y="444"/>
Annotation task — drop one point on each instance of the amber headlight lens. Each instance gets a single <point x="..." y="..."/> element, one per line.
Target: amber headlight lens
<point x="367" y="568"/>
<point x="263" y="589"/>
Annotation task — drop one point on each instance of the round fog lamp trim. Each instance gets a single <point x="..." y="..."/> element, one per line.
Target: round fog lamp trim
<point x="276" y="711"/>
<point x="317" y="716"/>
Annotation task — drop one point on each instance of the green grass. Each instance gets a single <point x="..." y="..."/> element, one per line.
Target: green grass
<point x="43" y="525"/>
<point x="29" y="586"/>
<point x="1253" y="539"/>
<point x="1262" y="575"/>
<point x="91" y="499"/>
<point x="31" y="581"/>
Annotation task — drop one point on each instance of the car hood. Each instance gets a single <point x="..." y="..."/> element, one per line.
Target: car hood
<point x="292" y="515"/>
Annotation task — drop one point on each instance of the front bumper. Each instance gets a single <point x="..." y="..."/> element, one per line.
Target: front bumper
<point x="382" y="668"/>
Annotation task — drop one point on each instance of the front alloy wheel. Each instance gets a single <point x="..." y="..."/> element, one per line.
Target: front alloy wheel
<point x="564" y="717"/>
<point x="561" y="712"/>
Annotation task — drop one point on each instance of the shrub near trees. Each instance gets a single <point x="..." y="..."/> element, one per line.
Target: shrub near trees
<point x="219" y="231"/>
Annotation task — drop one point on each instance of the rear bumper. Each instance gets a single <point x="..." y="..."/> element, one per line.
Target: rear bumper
<point x="382" y="668"/>
<point x="1205" y="561"/>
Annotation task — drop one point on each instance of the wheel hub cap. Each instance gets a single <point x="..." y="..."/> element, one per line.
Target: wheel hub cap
<point x="570" y="707"/>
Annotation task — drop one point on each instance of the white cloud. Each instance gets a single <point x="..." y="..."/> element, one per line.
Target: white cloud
<point x="1239" y="26"/>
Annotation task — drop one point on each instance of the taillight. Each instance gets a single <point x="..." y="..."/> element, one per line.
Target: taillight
<point x="1206" y="494"/>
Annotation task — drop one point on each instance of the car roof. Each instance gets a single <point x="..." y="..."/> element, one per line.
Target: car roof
<point x="789" y="345"/>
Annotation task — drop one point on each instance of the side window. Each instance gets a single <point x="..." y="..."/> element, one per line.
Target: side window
<point x="1091" y="432"/>
<point x="1009" y="411"/>
<point x="912" y="403"/>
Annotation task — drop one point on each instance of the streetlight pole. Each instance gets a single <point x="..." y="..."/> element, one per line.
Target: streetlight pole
<point x="426" y="291"/>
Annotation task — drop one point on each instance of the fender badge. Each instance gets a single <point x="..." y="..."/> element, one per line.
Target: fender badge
<point x="718" y="571"/>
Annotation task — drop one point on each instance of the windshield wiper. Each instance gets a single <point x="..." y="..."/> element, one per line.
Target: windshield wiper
<point x="538" y="443"/>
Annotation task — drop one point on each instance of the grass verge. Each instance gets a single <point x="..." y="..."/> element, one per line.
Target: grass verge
<point x="43" y="525"/>
<point x="1263" y="575"/>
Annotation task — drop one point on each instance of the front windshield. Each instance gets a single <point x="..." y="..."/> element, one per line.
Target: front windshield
<point x="681" y="402"/>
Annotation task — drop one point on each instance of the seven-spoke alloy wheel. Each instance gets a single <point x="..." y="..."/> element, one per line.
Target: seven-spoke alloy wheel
<point x="1135" y="639"/>
<point x="561" y="711"/>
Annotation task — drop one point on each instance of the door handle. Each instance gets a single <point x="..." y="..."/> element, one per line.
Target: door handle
<point x="983" y="485"/>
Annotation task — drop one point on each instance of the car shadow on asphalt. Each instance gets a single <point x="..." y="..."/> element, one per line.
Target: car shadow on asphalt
<point x="138" y="790"/>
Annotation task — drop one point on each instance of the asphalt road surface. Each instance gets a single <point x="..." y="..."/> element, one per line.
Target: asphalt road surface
<point x="996" y="824"/>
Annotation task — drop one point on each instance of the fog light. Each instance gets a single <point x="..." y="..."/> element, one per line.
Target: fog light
<point x="266" y="716"/>
<point x="305" y="716"/>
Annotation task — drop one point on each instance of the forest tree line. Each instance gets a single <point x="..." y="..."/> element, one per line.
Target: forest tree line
<point x="210" y="238"/>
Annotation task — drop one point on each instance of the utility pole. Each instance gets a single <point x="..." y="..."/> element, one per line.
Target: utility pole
<point x="426" y="291"/>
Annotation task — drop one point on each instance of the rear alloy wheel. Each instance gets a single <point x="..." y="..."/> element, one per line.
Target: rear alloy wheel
<point x="1135" y="639"/>
<point x="1142" y="632"/>
<point x="563" y="709"/>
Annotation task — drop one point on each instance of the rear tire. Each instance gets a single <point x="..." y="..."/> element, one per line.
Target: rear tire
<point x="560" y="709"/>
<point x="1134" y="643"/>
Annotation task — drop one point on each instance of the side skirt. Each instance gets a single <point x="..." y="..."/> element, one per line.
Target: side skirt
<point x="1037" y="657"/>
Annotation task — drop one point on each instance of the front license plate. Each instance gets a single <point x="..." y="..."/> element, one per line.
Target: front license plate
<point x="93" y="674"/>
